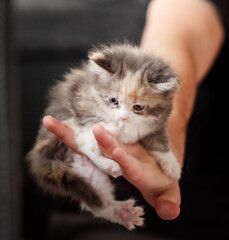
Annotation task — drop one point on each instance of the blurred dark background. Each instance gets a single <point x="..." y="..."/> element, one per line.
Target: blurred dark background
<point x="39" y="41"/>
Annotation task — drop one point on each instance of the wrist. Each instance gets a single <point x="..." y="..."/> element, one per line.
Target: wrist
<point x="176" y="129"/>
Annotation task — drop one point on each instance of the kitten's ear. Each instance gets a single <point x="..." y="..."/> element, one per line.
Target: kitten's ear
<point x="170" y="85"/>
<point x="98" y="60"/>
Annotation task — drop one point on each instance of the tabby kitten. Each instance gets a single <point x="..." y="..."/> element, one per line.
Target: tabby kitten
<point x="128" y="92"/>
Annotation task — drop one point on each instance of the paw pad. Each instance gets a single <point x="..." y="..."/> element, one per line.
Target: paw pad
<point x="131" y="215"/>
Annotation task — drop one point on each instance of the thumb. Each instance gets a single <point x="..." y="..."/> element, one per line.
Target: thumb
<point x="167" y="204"/>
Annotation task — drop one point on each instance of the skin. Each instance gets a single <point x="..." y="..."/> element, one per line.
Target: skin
<point x="189" y="37"/>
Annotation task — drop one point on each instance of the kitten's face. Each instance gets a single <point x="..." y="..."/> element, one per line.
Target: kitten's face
<point x="128" y="101"/>
<point x="135" y="87"/>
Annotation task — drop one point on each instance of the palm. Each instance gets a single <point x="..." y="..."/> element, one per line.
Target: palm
<point x="141" y="170"/>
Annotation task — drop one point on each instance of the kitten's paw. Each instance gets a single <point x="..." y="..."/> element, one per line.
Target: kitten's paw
<point x="174" y="170"/>
<point x="112" y="129"/>
<point x="169" y="164"/>
<point x="131" y="215"/>
<point x="112" y="168"/>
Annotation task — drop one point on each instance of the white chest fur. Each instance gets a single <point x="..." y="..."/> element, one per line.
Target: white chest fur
<point x="131" y="132"/>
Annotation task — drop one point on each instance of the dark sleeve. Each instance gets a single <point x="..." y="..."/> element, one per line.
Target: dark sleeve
<point x="223" y="9"/>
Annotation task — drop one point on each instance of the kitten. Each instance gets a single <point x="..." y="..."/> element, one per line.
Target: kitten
<point x="128" y="92"/>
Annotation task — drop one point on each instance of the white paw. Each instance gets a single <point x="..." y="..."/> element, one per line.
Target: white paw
<point x="174" y="170"/>
<point x="88" y="145"/>
<point x="112" y="129"/>
<point x="131" y="215"/>
<point x="169" y="164"/>
<point x="112" y="168"/>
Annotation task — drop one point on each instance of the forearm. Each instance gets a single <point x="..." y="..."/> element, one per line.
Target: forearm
<point x="188" y="34"/>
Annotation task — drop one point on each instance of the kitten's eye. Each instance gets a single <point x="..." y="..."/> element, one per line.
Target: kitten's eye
<point x="114" y="101"/>
<point x="138" y="107"/>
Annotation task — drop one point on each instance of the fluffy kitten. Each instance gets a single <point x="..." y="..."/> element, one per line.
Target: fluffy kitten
<point x="130" y="93"/>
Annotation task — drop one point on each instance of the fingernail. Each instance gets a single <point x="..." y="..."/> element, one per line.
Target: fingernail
<point x="47" y="119"/>
<point x="97" y="128"/>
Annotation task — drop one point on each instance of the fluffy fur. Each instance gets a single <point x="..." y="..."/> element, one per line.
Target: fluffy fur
<point x="130" y="93"/>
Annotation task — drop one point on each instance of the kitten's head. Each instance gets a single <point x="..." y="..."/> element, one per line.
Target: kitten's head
<point x="132" y="84"/>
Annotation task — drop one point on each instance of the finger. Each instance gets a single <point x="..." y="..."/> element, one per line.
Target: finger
<point x="106" y="141"/>
<point x="167" y="205"/>
<point x="129" y="164"/>
<point x="61" y="131"/>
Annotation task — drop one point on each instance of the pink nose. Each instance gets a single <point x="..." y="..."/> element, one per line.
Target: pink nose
<point x="124" y="118"/>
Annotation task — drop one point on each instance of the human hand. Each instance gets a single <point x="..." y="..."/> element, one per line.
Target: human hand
<point x="138" y="167"/>
<point x="141" y="169"/>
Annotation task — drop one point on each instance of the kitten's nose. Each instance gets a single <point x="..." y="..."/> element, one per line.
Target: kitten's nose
<point x="124" y="118"/>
